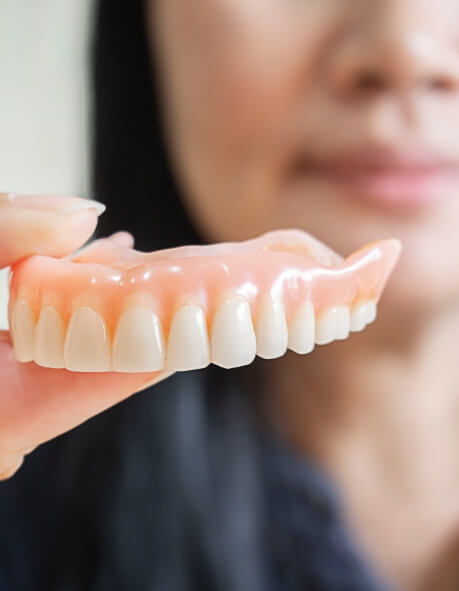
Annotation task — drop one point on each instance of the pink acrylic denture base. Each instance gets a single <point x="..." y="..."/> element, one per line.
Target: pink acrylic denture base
<point x="290" y="266"/>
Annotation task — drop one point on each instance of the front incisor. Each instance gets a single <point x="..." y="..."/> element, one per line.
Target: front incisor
<point x="23" y="329"/>
<point x="139" y="342"/>
<point x="49" y="339"/>
<point x="87" y="343"/>
<point x="233" y="341"/>
<point x="188" y="343"/>
<point x="271" y="330"/>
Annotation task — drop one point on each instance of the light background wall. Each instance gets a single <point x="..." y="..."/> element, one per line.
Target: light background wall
<point x="44" y="118"/>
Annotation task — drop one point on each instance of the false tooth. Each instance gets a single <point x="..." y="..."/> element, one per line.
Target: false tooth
<point x="358" y="317"/>
<point x="87" y="343"/>
<point x="362" y="314"/>
<point x="371" y="312"/>
<point x="23" y="328"/>
<point x="233" y="337"/>
<point x="302" y="329"/>
<point x="271" y="330"/>
<point x="49" y="339"/>
<point x="343" y="322"/>
<point x="188" y="343"/>
<point x="326" y="327"/>
<point x="138" y="345"/>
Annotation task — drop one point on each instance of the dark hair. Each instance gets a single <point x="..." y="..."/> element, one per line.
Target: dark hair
<point x="160" y="492"/>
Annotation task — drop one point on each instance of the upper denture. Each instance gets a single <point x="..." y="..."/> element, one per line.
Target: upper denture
<point x="201" y="304"/>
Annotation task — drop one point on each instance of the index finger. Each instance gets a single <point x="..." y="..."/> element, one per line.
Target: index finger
<point x="51" y="225"/>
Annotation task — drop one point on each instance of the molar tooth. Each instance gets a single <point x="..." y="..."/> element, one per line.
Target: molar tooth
<point x="87" y="343"/>
<point x="271" y="330"/>
<point x="188" y="343"/>
<point x="358" y="317"/>
<point x="301" y="330"/>
<point x="371" y="312"/>
<point x="23" y="328"/>
<point x="343" y="322"/>
<point x="326" y="327"/>
<point x="49" y="339"/>
<point x="362" y="314"/>
<point x="233" y="336"/>
<point x="138" y="345"/>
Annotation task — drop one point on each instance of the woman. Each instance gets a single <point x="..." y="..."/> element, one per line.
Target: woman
<point x="339" y="118"/>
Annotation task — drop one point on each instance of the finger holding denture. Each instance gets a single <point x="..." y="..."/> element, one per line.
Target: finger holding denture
<point x="111" y="308"/>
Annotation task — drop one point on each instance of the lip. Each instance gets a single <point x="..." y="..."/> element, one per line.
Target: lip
<point x="389" y="179"/>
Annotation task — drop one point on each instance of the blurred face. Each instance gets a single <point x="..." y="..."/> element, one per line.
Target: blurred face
<point x="337" y="117"/>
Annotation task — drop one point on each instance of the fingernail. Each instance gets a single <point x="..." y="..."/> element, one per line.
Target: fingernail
<point x="56" y="203"/>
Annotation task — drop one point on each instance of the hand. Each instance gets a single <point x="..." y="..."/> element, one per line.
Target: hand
<point x="37" y="404"/>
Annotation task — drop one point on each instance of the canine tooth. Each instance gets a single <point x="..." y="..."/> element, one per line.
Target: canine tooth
<point x="49" y="339"/>
<point x="188" y="343"/>
<point x="362" y="314"/>
<point x="271" y="330"/>
<point x="138" y="345"/>
<point x="326" y="327"/>
<point x="87" y="343"/>
<point x="343" y="322"/>
<point x="301" y="330"/>
<point x="233" y="340"/>
<point x="23" y="328"/>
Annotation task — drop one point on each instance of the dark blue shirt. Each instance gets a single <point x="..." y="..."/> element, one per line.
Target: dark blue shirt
<point x="305" y="543"/>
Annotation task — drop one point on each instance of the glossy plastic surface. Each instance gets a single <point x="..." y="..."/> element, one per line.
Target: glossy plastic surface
<point x="289" y="268"/>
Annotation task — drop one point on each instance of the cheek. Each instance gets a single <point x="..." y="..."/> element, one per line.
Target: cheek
<point x="232" y="75"/>
<point x="221" y="76"/>
<point x="427" y="274"/>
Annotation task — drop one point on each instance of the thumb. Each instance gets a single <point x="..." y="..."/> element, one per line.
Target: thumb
<point x="50" y="225"/>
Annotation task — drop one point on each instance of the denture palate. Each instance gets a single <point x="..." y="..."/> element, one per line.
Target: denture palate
<point x="110" y="308"/>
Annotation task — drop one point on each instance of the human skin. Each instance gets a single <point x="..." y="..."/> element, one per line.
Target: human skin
<point x="341" y="118"/>
<point x="36" y="403"/>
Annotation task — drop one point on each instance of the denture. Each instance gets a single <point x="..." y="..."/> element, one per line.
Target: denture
<point x="112" y="308"/>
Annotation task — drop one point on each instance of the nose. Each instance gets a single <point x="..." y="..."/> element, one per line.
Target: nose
<point x="387" y="50"/>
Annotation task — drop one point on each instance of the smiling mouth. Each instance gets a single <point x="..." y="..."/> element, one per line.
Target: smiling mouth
<point x="392" y="180"/>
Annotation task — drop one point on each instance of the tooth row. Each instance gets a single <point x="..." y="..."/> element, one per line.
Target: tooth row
<point x="139" y="344"/>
